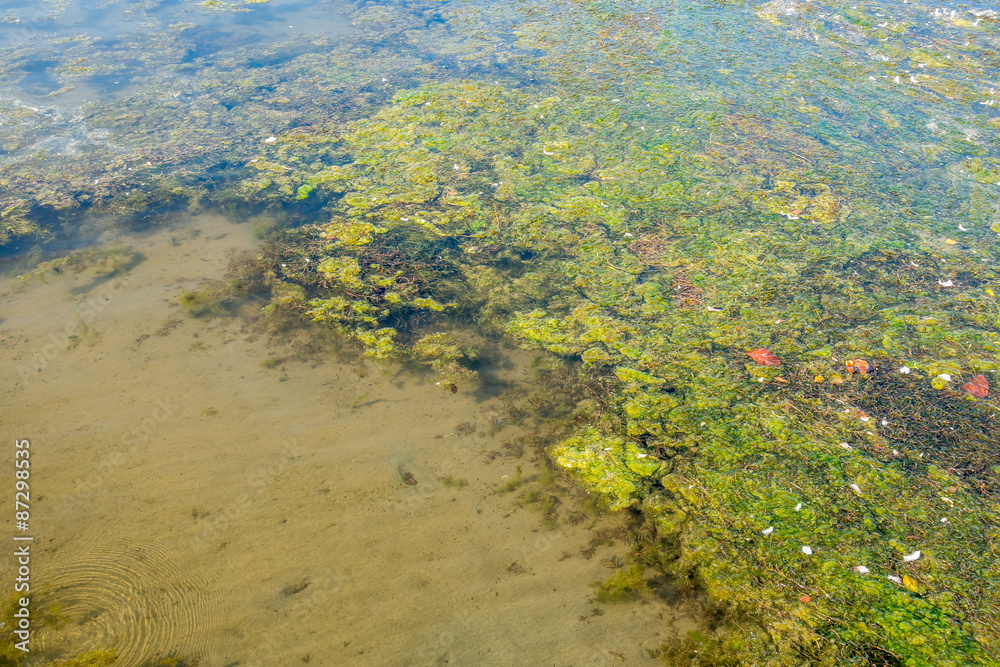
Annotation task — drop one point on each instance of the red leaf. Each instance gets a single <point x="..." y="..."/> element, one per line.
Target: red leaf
<point x="979" y="387"/>
<point x="764" y="357"/>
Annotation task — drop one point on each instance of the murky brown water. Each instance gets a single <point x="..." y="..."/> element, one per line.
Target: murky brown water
<point x="194" y="499"/>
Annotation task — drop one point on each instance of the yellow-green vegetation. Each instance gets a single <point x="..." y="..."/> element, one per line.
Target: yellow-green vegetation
<point x="103" y="263"/>
<point x="624" y="585"/>
<point x="52" y="617"/>
<point x="444" y="355"/>
<point x="617" y="469"/>
<point x="9" y="653"/>
<point x="15" y="223"/>
<point x="96" y="658"/>
<point x="572" y="235"/>
<point x="211" y="300"/>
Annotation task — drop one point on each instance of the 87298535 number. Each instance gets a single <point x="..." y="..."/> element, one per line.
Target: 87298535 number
<point x="22" y="496"/>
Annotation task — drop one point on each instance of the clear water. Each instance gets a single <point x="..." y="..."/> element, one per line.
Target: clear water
<point x="823" y="174"/>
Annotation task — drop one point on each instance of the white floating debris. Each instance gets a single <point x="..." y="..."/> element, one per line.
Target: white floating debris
<point x="798" y="507"/>
<point x="384" y="79"/>
<point x="767" y="531"/>
<point x="807" y="551"/>
<point x="895" y="452"/>
<point x="944" y="376"/>
<point x="857" y="489"/>
<point x="962" y="228"/>
<point x="944" y="520"/>
<point x="270" y="140"/>
<point x="885" y="422"/>
<point x="627" y="235"/>
<point x="861" y="569"/>
<point x="948" y="500"/>
<point x="912" y="557"/>
<point x="894" y="579"/>
<point x="713" y="310"/>
<point x="846" y="446"/>
<point x="905" y="370"/>
<point x="946" y="283"/>
<point x="456" y="167"/>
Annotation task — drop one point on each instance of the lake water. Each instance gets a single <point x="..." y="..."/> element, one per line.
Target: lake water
<point x="384" y="332"/>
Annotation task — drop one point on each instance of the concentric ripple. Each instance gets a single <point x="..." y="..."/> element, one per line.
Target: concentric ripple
<point x="141" y="598"/>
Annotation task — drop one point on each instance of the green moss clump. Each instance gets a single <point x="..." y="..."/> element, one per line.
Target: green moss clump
<point x="625" y="585"/>
<point x="96" y="658"/>
<point x="449" y="361"/>
<point x="208" y="301"/>
<point x="620" y="471"/>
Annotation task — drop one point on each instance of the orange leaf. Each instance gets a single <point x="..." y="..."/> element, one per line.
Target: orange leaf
<point x="857" y="413"/>
<point x="857" y="366"/>
<point x="805" y="598"/>
<point x="979" y="387"/>
<point x="764" y="357"/>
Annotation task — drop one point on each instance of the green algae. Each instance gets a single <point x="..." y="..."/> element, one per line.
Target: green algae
<point x="624" y="585"/>
<point x="13" y="654"/>
<point x="616" y="470"/>
<point x="664" y="317"/>
<point x="98" y="658"/>
<point x="203" y="302"/>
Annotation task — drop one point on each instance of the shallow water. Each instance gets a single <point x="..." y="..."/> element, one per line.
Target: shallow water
<point x="637" y="192"/>
<point x="193" y="502"/>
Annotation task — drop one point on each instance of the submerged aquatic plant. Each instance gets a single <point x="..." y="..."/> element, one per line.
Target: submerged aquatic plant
<point x="713" y="451"/>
